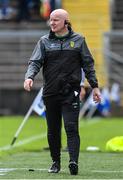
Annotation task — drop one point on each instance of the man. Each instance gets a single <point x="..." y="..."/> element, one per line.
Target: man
<point x="62" y="53"/>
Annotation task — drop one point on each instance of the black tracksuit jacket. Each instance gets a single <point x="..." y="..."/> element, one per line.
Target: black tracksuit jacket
<point x="62" y="60"/>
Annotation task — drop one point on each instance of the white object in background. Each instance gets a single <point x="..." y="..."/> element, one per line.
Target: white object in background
<point x="92" y="148"/>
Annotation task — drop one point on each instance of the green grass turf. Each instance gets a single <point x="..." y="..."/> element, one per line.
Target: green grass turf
<point x="92" y="165"/>
<point x="94" y="132"/>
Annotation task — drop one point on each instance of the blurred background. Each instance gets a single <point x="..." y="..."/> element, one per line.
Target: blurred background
<point x="23" y="22"/>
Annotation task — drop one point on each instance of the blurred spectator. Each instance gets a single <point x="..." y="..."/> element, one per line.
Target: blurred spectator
<point x="23" y="10"/>
<point x="34" y="10"/>
<point x="27" y="10"/>
<point x="58" y="4"/>
<point x="55" y="4"/>
<point x="47" y="6"/>
<point x="4" y="9"/>
<point x="45" y="9"/>
<point x="52" y="5"/>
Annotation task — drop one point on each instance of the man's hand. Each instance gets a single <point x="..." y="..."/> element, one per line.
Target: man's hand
<point x="28" y="83"/>
<point x="96" y="95"/>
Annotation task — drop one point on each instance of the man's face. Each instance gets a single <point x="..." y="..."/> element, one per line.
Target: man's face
<point x="57" y="23"/>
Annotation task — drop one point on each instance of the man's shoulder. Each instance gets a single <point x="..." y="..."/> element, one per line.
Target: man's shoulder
<point x="78" y="36"/>
<point x="44" y="37"/>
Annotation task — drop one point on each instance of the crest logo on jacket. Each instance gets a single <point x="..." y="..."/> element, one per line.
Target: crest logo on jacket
<point x="72" y="44"/>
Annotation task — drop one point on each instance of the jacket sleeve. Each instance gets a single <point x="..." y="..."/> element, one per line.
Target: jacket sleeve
<point x="36" y="61"/>
<point x="87" y="63"/>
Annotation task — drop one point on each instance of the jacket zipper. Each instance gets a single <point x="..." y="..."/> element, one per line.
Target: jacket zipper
<point x="61" y="42"/>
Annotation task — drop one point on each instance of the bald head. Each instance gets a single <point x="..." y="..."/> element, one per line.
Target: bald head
<point x="61" y="13"/>
<point x="58" y="19"/>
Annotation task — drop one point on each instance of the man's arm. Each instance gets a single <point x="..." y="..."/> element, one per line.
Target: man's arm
<point x="35" y="63"/>
<point x="88" y="67"/>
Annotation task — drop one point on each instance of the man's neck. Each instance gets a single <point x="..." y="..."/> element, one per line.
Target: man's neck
<point x="62" y="34"/>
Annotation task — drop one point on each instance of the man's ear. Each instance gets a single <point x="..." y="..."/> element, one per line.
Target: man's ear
<point x="65" y="22"/>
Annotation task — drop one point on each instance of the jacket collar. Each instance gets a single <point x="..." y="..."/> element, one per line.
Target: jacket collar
<point x="53" y="36"/>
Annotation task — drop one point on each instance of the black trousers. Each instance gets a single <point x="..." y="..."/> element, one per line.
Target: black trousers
<point x="68" y="107"/>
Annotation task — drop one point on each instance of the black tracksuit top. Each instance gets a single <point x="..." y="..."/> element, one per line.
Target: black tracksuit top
<point x="62" y="60"/>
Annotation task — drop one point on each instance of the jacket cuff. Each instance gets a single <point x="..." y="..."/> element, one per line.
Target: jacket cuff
<point x="29" y="77"/>
<point x="95" y="85"/>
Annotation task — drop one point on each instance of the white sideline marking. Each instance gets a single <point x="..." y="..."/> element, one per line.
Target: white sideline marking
<point x="23" y="142"/>
<point x="104" y="171"/>
<point x="41" y="136"/>
<point x="89" y="122"/>
<point x="4" y="171"/>
<point x="13" y="169"/>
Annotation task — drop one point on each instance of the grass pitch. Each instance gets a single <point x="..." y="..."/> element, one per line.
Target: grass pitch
<point x="27" y="152"/>
<point x="93" y="165"/>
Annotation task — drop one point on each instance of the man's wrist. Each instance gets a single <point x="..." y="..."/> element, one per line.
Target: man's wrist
<point x="29" y="78"/>
<point x="82" y="86"/>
